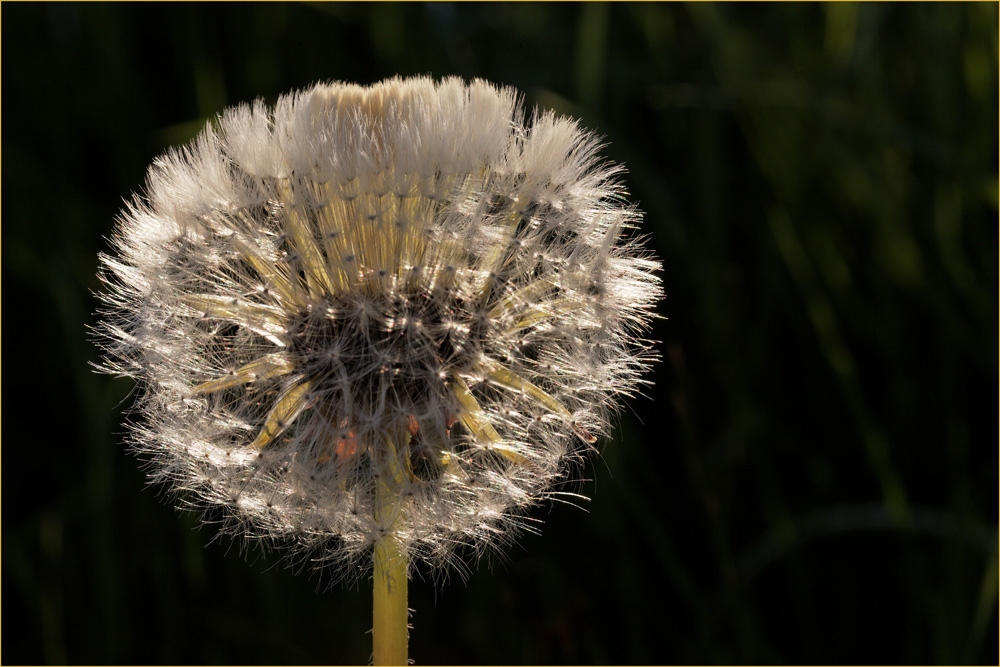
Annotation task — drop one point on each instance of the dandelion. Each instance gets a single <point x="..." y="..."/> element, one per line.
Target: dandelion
<point x="374" y="324"/>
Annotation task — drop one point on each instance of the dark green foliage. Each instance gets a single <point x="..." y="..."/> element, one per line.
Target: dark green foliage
<point x="811" y="479"/>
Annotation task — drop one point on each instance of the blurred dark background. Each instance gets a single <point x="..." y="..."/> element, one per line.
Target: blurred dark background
<point x="812" y="477"/>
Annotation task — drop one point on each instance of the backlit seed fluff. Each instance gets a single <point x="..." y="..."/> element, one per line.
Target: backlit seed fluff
<point x="407" y="285"/>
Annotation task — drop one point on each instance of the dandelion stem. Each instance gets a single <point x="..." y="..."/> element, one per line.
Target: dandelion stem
<point x="389" y="612"/>
<point x="389" y="632"/>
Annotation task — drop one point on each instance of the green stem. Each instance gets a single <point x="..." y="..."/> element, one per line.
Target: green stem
<point x="389" y="632"/>
<point x="389" y="611"/>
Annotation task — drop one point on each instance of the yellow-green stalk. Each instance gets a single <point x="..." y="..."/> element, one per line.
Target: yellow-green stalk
<point x="389" y="611"/>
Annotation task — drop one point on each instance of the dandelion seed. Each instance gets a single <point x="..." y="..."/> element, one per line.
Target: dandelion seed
<point x="376" y="323"/>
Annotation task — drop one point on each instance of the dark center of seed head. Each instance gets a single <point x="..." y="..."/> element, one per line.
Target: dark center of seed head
<point x="386" y="340"/>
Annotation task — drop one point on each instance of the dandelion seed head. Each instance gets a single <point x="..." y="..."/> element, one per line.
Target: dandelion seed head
<point x="407" y="282"/>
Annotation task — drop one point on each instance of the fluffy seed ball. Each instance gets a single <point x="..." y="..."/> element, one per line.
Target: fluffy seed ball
<point x="402" y="290"/>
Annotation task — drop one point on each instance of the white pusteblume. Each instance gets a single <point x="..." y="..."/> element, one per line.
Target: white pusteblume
<point x="406" y="285"/>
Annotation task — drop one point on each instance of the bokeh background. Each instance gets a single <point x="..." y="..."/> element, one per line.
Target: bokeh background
<point x="811" y="477"/>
